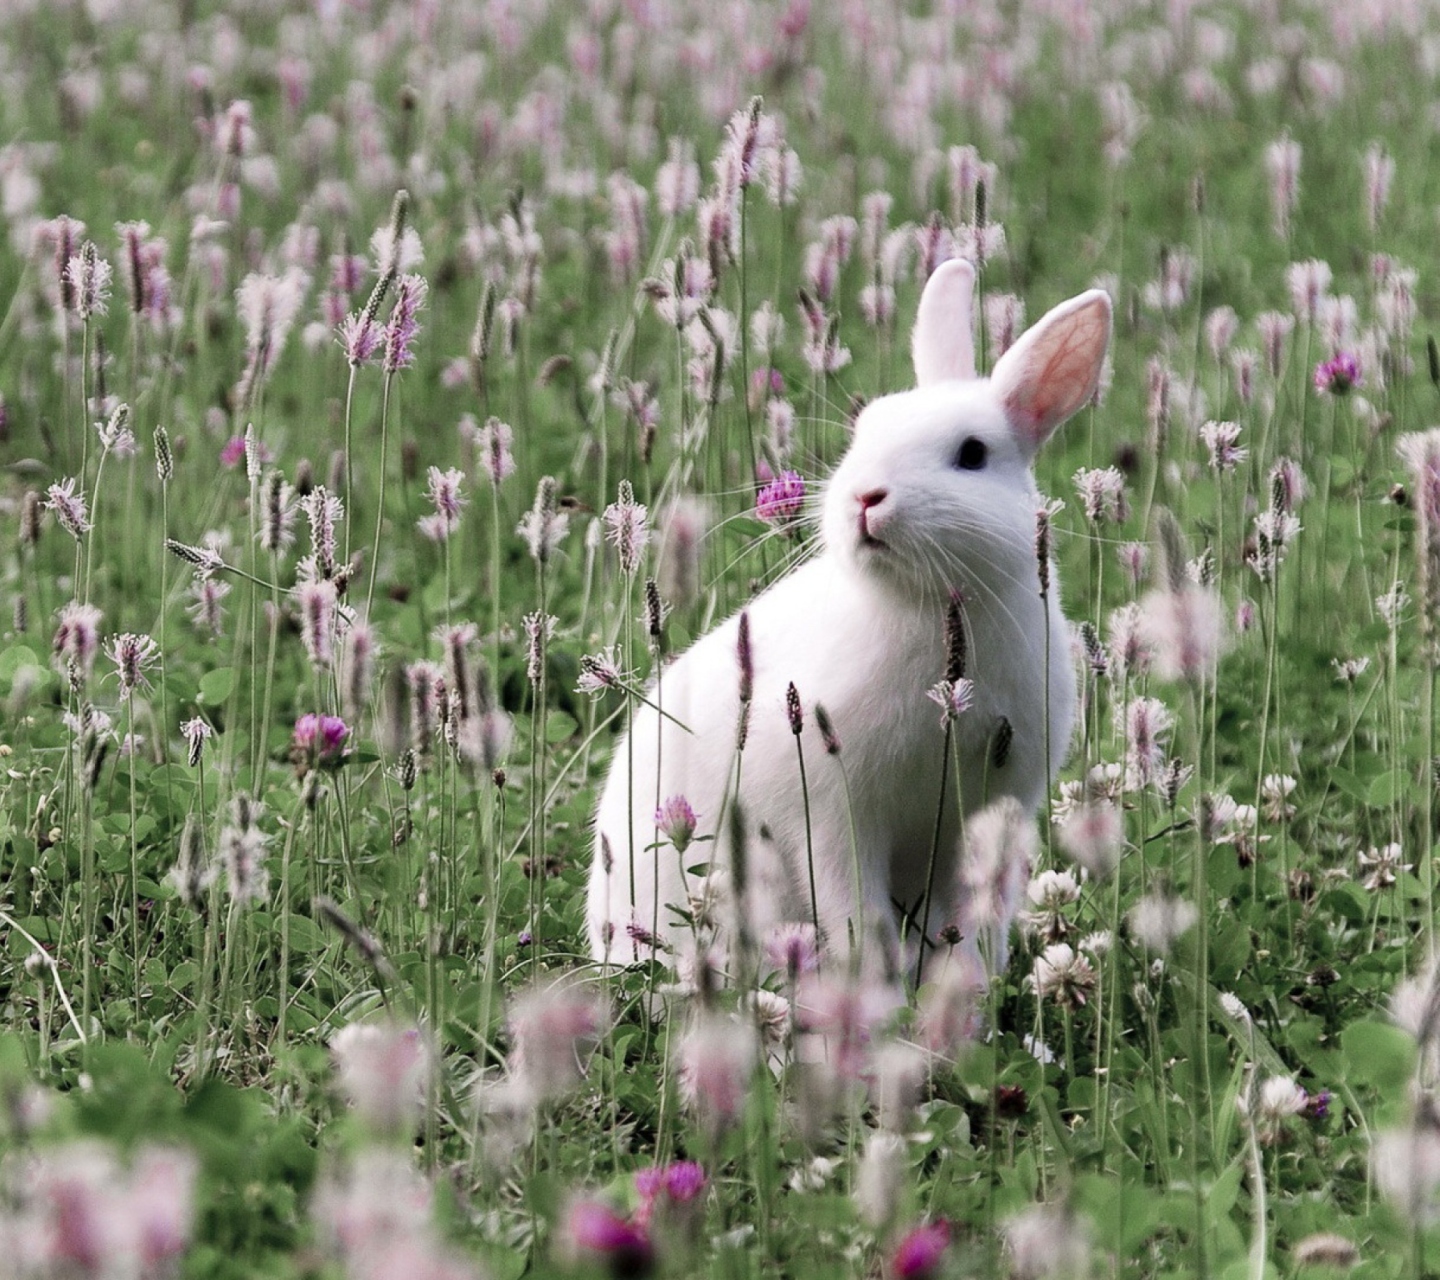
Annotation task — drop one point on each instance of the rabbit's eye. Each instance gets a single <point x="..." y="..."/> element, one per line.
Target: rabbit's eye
<point x="972" y="455"/>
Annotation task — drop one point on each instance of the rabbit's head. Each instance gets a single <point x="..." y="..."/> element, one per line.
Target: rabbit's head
<point x="936" y="491"/>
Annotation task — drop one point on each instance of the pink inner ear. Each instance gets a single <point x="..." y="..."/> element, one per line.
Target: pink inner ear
<point x="1058" y="369"/>
<point x="1067" y="364"/>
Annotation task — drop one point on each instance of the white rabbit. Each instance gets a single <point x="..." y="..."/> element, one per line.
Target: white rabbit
<point x="934" y="496"/>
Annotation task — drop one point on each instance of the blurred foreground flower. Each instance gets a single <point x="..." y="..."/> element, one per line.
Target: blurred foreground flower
<point x="921" y="1252"/>
<point x="383" y="1069"/>
<point x="83" y="1214"/>
<point x="594" y="1232"/>
<point x="553" y="1030"/>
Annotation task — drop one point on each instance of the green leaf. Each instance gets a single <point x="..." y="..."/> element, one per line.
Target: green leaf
<point x="559" y="726"/>
<point x="306" y="937"/>
<point x="1224" y="1190"/>
<point x="184" y="975"/>
<point x="1347" y="782"/>
<point x="16" y="657"/>
<point x="1378" y="1054"/>
<point x="1391" y="787"/>
<point x="216" y="686"/>
<point x="221" y="1107"/>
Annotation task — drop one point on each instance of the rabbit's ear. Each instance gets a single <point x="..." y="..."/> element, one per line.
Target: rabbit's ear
<point x="942" y="346"/>
<point x="1054" y="368"/>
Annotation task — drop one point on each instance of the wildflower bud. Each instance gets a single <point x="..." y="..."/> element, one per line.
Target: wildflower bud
<point x="739" y="854"/>
<point x="101" y="363"/>
<point x="20" y="615"/>
<point x="94" y="747"/>
<point x="389" y="268"/>
<point x="792" y="710"/>
<point x="408" y="769"/>
<point x="480" y="339"/>
<point x="1326" y="1249"/>
<point x="164" y="458"/>
<point x="745" y="658"/>
<point x="1172" y="549"/>
<point x="277" y="514"/>
<point x="195" y="733"/>
<point x="1172" y="780"/>
<point x="30" y="508"/>
<point x="955" y="638"/>
<point x="191" y="875"/>
<point x="1432" y="355"/>
<point x="1000" y="742"/>
<point x="828" y="736"/>
<point x="253" y="452"/>
<point x="1042" y="549"/>
<point x="605" y="373"/>
<point x="1096" y="655"/>
<point x="553" y="368"/>
<point x="363" y="943"/>
<point x="245" y="810"/>
<point x="1011" y="1102"/>
<point x="304" y="478"/>
<point x="399" y="213"/>
<point x="654" y="612"/>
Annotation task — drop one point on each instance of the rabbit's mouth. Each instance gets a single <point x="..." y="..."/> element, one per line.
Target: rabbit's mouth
<point x="868" y="539"/>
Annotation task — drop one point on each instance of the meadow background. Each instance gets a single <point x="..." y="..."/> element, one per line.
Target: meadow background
<point x="341" y="343"/>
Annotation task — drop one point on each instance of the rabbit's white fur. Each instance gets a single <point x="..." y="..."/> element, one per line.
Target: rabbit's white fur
<point x="859" y="629"/>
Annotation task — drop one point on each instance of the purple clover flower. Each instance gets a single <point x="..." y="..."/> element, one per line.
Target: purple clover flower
<point x="594" y="1230"/>
<point x="232" y="453"/>
<point x="676" y="1185"/>
<point x="684" y="1180"/>
<point x="676" y="820"/>
<point x="919" y="1253"/>
<point x="319" y="740"/>
<point x="1338" y="375"/>
<point x="782" y="499"/>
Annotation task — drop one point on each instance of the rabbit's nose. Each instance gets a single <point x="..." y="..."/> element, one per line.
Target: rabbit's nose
<point x="872" y="498"/>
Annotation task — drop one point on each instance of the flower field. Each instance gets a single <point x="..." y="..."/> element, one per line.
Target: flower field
<point x="392" y="394"/>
